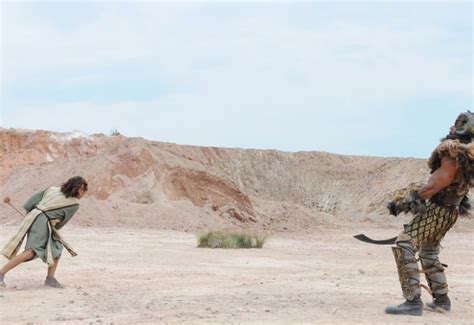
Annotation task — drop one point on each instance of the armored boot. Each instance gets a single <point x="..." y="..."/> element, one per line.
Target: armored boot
<point x="436" y="278"/>
<point x="440" y="302"/>
<point x="409" y="276"/>
<point x="409" y="307"/>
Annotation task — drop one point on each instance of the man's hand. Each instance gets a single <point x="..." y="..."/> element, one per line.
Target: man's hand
<point x="417" y="205"/>
<point x="393" y="209"/>
<point x="411" y="203"/>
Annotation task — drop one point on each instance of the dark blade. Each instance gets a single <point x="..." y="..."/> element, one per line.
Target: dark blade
<point x="366" y="239"/>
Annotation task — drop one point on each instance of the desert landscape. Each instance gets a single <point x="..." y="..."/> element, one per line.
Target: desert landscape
<point x="136" y="234"/>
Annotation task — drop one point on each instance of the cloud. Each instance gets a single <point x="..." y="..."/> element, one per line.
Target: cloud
<point x="195" y="42"/>
<point x="254" y="75"/>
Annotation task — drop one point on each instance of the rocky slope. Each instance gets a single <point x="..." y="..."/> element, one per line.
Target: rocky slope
<point x="140" y="183"/>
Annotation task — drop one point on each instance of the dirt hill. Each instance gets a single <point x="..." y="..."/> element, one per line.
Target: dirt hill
<point x="140" y="183"/>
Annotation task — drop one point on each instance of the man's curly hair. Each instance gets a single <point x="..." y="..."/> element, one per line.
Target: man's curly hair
<point x="72" y="186"/>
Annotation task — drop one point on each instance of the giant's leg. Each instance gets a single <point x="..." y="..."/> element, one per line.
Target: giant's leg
<point x="409" y="276"/>
<point x="437" y="223"/>
<point x="434" y="272"/>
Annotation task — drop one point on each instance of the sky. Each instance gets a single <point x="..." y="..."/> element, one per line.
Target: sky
<point x="361" y="78"/>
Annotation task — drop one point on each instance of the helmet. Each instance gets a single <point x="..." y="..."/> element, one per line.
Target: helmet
<point x="464" y="124"/>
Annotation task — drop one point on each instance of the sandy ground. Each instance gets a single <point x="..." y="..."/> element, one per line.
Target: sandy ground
<point x="126" y="276"/>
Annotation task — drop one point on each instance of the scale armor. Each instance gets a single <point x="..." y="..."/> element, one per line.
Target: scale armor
<point x="425" y="231"/>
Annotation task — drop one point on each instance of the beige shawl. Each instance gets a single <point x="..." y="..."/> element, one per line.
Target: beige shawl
<point x="52" y="199"/>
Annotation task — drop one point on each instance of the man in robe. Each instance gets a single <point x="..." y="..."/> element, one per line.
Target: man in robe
<point x="47" y="212"/>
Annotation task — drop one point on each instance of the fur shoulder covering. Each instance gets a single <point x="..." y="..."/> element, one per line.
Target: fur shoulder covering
<point x="451" y="149"/>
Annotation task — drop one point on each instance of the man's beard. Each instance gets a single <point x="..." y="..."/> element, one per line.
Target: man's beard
<point x="462" y="138"/>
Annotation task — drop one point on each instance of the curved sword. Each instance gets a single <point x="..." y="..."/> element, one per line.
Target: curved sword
<point x="366" y="239"/>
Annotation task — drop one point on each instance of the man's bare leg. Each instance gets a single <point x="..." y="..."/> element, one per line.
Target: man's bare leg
<point x="14" y="262"/>
<point x="50" y="279"/>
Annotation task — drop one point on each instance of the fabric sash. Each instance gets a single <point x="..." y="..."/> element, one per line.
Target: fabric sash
<point x="52" y="199"/>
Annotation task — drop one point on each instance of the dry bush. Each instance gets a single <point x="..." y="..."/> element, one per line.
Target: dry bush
<point x="220" y="239"/>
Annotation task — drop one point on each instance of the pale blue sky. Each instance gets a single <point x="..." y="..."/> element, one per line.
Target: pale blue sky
<point x="365" y="78"/>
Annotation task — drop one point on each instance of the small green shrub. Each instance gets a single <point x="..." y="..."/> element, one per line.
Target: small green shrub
<point x="220" y="239"/>
<point x="115" y="132"/>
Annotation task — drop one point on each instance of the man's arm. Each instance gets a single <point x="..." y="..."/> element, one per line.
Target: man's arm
<point x="415" y="201"/>
<point x="440" y="179"/>
<point x="68" y="213"/>
<point x="32" y="201"/>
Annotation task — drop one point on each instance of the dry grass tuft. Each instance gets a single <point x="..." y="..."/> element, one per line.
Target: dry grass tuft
<point x="220" y="239"/>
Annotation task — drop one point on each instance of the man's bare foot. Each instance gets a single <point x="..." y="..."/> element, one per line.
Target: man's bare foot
<point x="52" y="282"/>
<point x="2" y="282"/>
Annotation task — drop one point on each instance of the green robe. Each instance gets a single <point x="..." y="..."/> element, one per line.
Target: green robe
<point x="38" y="232"/>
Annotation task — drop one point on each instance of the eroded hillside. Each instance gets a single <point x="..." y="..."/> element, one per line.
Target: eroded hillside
<point x="141" y="183"/>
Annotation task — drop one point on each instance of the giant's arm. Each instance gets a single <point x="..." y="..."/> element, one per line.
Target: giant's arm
<point x="415" y="201"/>
<point x="440" y="179"/>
